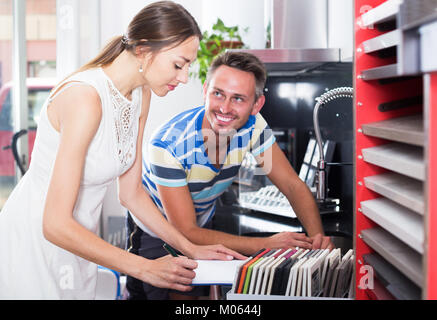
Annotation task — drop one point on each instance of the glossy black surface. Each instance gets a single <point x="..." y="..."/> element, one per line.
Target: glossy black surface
<point x="290" y="100"/>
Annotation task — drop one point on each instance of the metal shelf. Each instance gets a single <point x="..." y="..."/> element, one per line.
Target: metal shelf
<point x="404" y="129"/>
<point x="384" y="72"/>
<point x="403" y="223"/>
<point x="413" y="14"/>
<point x="398" y="157"/>
<point x="406" y="260"/>
<point x="385" y="12"/>
<point x="384" y="41"/>
<point x="396" y="283"/>
<point x="400" y="189"/>
<point x="394" y="68"/>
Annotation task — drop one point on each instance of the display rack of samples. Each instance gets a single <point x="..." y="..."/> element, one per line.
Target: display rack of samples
<point x="295" y="274"/>
<point x="395" y="173"/>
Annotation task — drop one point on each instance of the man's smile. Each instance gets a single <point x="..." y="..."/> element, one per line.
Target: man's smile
<point x="224" y="118"/>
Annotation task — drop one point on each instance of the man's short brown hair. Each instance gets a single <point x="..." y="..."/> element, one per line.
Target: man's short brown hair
<point x="242" y="61"/>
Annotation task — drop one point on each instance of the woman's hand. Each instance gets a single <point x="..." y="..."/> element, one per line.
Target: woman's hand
<point x="169" y="272"/>
<point x="214" y="252"/>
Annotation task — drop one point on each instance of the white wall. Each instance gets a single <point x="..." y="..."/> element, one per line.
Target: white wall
<point x="244" y="13"/>
<point x="78" y="34"/>
<point x="341" y="27"/>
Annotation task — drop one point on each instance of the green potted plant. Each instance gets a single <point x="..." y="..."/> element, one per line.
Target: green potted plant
<point x="222" y="38"/>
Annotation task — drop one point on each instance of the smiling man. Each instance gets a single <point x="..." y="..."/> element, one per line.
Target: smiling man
<point x="193" y="158"/>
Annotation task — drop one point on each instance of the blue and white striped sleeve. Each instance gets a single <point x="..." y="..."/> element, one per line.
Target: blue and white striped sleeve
<point x="165" y="169"/>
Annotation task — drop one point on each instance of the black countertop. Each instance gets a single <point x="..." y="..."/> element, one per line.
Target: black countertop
<point x="233" y="219"/>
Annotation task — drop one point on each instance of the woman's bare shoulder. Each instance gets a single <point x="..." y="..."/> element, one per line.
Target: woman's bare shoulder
<point x="80" y="98"/>
<point x="77" y="104"/>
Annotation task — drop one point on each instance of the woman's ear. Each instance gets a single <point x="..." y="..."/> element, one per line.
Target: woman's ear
<point x="141" y="51"/>
<point x="144" y="56"/>
<point x="141" y="48"/>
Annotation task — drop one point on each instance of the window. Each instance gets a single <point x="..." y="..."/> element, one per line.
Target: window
<point x="41" y="64"/>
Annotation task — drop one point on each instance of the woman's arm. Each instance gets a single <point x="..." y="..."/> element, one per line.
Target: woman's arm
<point x="78" y="115"/>
<point x="134" y="198"/>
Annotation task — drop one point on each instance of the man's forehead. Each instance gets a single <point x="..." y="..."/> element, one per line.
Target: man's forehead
<point x="233" y="80"/>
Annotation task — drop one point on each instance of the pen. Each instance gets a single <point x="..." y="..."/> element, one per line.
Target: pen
<point x="170" y="250"/>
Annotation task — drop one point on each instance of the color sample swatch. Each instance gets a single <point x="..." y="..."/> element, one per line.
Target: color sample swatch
<point x="296" y="272"/>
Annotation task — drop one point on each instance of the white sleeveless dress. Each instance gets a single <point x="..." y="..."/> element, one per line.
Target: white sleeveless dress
<point x="30" y="266"/>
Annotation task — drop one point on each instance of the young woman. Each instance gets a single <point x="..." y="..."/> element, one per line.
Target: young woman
<point x="90" y="133"/>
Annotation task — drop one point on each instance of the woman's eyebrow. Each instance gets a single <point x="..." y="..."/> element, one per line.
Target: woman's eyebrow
<point x="185" y="59"/>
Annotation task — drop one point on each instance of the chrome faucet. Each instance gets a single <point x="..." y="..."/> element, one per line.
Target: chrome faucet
<point x="341" y="92"/>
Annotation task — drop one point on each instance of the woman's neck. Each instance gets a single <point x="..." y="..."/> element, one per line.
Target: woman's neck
<point x="123" y="72"/>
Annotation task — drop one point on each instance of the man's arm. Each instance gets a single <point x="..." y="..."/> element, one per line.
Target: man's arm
<point x="282" y="174"/>
<point x="179" y="208"/>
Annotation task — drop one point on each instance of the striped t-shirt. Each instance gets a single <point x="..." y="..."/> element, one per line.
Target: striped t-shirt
<point x="176" y="157"/>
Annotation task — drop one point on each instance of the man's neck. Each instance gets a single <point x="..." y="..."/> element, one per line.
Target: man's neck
<point x="216" y="145"/>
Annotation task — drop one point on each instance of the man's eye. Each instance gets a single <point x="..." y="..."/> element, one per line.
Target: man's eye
<point x="177" y="67"/>
<point x="217" y="94"/>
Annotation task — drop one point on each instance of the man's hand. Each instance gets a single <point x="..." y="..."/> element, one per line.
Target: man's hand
<point x="214" y="252"/>
<point x="321" y="242"/>
<point x="288" y="240"/>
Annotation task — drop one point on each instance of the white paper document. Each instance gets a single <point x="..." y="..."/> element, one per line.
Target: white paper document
<point x="215" y="272"/>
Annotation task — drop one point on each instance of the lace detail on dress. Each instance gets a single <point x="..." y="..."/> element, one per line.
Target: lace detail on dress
<point x="124" y="126"/>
